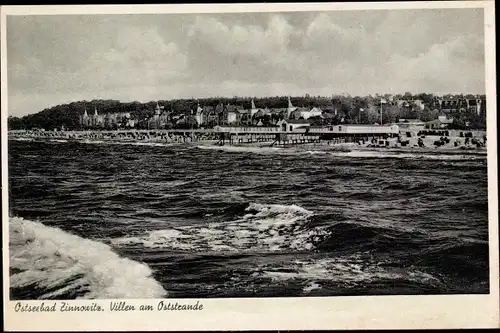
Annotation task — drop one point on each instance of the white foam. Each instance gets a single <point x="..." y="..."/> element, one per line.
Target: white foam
<point x="264" y="227"/>
<point x="423" y="155"/>
<point x="129" y="143"/>
<point x="344" y="270"/>
<point x="311" y="286"/>
<point x="47" y="257"/>
<point x="243" y="149"/>
<point x="329" y="152"/>
<point x="17" y="138"/>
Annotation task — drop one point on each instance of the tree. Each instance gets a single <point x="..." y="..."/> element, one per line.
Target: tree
<point x="391" y="114"/>
<point x="407" y="95"/>
<point x="372" y="114"/>
<point x="15" y="123"/>
<point x="429" y="114"/>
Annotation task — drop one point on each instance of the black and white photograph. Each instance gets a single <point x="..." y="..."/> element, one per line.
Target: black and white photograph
<point x="259" y="154"/>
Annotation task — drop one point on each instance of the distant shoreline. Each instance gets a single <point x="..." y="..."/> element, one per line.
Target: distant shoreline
<point x="323" y="146"/>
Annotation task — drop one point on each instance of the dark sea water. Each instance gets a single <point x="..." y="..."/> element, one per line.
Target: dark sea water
<point x="98" y="220"/>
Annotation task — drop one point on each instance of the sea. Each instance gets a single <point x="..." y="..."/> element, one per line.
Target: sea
<point x="98" y="220"/>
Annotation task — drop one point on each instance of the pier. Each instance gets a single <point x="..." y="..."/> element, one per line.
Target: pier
<point x="222" y="135"/>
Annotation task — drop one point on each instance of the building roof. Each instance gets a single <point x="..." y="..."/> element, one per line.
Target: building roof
<point x="234" y="108"/>
<point x="362" y="125"/>
<point x="316" y="109"/>
<point x="440" y="121"/>
<point x="328" y="115"/>
<point x="410" y="121"/>
<point x="280" y="110"/>
<point x="297" y="121"/>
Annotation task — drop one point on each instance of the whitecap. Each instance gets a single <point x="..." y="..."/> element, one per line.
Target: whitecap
<point x="58" y="262"/>
<point x="263" y="227"/>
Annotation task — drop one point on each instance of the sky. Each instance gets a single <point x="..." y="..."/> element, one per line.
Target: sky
<point x="57" y="59"/>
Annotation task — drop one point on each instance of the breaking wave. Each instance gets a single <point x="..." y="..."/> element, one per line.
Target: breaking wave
<point x="52" y="263"/>
<point x="351" y="153"/>
<point x="422" y="155"/>
<point x="129" y="143"/>
<point x="352" y="270"/>
<point x="241" y="149"/>
<point x="17" y="138"/>
<point x="263" y="227"/>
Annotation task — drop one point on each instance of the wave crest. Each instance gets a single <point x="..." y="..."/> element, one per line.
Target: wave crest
<point x="263" y="227"/>
<point x="62" y="265"/>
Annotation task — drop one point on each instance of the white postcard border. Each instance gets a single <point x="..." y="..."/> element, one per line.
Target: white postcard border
<point x="353" y="312"/>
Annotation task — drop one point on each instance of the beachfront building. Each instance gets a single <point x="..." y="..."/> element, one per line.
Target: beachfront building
<point x="291" y="125"/>
<point x="232" y="117"/>
<point x="96" y="120"/>
<point x="419" y="104"/>
<point x="85" y="119"/>
<point x="357" y="130"/>
<point x="232" y="114"/>
<point x="186" y="122"/>
<point x="476" y="106"/>
<point x="91" y="121"/>
<point x="410" y="125"/>
<point x="118" y="120"/>
<point x="160" y="118"/>
<point x="209" y="118"/>
<point x="440" y="123"/>
<point x="448" y="105"/>
<point x="290" y="108"/>
<point x="306" y="113"/>
<point x="253" y="109"/>
<point x="108" y="120"/>
<point x="199" y="115"/>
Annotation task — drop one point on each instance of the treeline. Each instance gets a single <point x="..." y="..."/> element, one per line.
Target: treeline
<point x="347" y="108"/>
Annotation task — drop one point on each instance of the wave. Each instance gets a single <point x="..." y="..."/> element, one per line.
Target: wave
<point x="242" y="149"/>
<point x="129" y="143"/>
<point x="424" y="156"/>
<point x="14" y="138"/>
<point x="345" y="235"/>
<point x="354" y="270"/>
<point x="265" y="149"/>
<point x="56" y="264"/>
<point x="263" y="227"/>
<point x="446" y="156"/>
<point x="148" y="144"/>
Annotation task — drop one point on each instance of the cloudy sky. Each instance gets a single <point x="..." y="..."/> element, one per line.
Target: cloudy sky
<point x="59" y="59"/>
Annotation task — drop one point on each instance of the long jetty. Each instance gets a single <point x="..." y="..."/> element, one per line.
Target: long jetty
<point x="275" y="136"/>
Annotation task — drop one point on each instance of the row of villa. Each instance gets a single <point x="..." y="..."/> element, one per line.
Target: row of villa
<point x="206" y="116"/>
<point x="446" y="105"/>
<point x="234" y="115"/>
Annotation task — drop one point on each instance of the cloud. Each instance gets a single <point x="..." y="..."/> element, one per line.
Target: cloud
<point x="54" y="59"/>
<point x="455" y="65"/>
<point x="242" y="40"/>
<point x="139" y="57"/>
